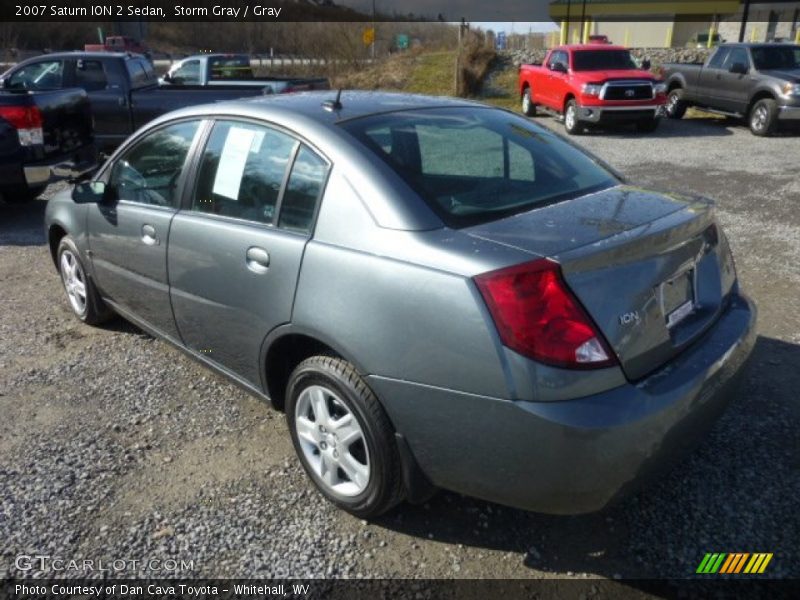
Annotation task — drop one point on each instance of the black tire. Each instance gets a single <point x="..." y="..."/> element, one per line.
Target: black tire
<point x="647" y="125"/>
<point x="94" y="311"/>
<point x="676" y="106"/>
<point x="384" y="489"/>
<point x="573" y="126"/>
<point x="528" y="107"/>
<point x="21" y="194"/>
<point x="763" y="117"/>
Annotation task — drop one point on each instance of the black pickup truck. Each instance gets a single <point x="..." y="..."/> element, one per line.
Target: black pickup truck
<point x="759" y="82"/>
<point x="122" y="87"/>
<point x="44" y="136"/>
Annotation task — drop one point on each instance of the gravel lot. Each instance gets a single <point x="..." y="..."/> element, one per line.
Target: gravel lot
<point x="114" y="445"/>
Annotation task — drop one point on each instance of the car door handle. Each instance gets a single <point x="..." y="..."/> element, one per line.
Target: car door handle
<point x="257" y="259"/>
<point x="149" y="235"/>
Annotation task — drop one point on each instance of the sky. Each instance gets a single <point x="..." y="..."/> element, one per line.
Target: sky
<point x="515" y="27"/>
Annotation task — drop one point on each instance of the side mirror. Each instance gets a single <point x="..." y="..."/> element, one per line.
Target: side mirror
<point x="90" y="192"/>
<point x="739" y="68"/>
<point x="559" y="67"/>
<point x="646" y="64"/>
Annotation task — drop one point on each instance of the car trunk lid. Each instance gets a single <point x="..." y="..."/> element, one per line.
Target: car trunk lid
<point x="651" y="270"/>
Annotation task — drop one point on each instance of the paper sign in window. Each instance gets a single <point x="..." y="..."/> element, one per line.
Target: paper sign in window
<point x="232" y="162"/>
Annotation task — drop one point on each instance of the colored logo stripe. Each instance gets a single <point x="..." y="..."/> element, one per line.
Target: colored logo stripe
<point x="734" y="562"/>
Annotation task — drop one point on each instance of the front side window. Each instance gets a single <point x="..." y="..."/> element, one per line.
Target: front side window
<point x="44" y="75"/>
<point x="242" y="171"/>
<point x="473" y="165"/>
<point x="148" y="173"/>
<point x="141" y="72"/>
<point x="188" y="73"/>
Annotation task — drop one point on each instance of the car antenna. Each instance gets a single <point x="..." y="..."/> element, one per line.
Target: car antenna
<point x="332" y="105"/>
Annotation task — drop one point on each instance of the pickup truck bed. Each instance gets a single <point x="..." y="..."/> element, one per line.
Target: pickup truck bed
<point x="44" y="136"/>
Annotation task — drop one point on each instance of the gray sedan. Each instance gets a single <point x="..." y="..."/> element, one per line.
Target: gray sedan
<point x="438" y="294"/>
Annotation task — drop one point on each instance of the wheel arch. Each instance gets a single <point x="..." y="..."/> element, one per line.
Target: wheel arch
<point x="285" y="348"/>
<point x="569" y="96"/>
<point x="762" y="94"/>
<point x="55" y="233"/>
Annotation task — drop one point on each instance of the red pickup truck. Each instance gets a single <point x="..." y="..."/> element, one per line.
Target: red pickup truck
<point x="593" y="84"/>
<point x="117" y="43"/>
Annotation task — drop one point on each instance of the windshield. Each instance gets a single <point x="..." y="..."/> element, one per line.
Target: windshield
<point x="473" y="165"/>
<point x="776" y="57"/>
<point x="602" y="60"/>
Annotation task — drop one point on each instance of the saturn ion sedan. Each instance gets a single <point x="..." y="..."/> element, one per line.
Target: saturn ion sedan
<point x="439" y="294"/>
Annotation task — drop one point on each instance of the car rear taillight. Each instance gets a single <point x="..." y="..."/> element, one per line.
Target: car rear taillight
<point x="538" y="316"/>
<point x="27" y="120"/>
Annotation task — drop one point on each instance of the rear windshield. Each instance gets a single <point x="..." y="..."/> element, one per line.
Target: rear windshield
<point x="776" y="57"/>
<point x="236" y="67"/>
<point x="474" y="165"/>
<point x="601" y="60"/>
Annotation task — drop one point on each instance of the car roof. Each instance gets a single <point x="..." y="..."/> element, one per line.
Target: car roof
<point x="309" y="106"/>
<point x="83" y="54"/>
<point x="214" y="55"/>
<point x="591" y="47"/>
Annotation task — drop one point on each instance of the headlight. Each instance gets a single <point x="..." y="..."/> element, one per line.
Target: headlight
<point x="660" y="88"/>
<point x="591" y="89"/>
<point x="791" y="89"/>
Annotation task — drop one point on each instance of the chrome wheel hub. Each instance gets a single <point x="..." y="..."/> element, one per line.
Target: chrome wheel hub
<point x="760" y="118"/>
<point x="571" y="117"/>
<point x="74" y="281"/>
<point x="332" y="441"/>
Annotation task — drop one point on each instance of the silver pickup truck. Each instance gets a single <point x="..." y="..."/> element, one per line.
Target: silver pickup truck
<point x="234" y="69"/>
<point x="759" y="82"/>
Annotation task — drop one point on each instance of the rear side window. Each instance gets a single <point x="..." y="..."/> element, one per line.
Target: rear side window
<point x="473" y="165"/>
<point x="223" y="68"/>
<point x="719" y="58"/>
<point x="90" y="75"/>
<point x="303" y="191"/>
<point x="44" y="75"/>
<point x="140" y="72"/>
<point x="242" y="171"/>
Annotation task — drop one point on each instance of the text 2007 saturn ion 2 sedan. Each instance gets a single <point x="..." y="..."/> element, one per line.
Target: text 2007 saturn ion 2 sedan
<point x="439" y="294"/>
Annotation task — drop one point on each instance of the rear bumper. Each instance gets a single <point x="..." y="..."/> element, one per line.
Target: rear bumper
<point x="617" y="114"/>
<point x="44" y="172"/>
<point x="573" y="456"/>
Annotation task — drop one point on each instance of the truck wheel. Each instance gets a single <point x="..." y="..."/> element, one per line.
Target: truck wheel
<point x="84" y="300"/>
<point x="647" y="125"/>
<point x="676" y="107"/>
<point x="528" y="107"/>
<point x="343" y="437"/>
<point x="21" y="194"/>
<point x="571" y="122"/>
<point x="763" y="117"/>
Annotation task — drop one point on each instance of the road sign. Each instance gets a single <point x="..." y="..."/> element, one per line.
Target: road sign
<point x="402" y="41"/>
<point x="500" y="40"/>
<point x="369" y="36"/>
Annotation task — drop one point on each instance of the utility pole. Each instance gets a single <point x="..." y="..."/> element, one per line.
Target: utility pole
<point x="583" y="20"/>
<point x="745" y="15"/>
<point x="374" y="33"/>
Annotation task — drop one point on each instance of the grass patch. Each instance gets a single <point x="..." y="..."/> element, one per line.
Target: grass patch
<point x="433" y="73"/>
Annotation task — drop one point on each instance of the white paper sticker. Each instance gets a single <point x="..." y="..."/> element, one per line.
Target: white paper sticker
<point x="258" y="139"/>
<point x="232" y="162"/>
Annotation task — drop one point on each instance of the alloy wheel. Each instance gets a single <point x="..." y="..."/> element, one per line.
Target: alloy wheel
<point x="74" y="281"/>
<point x="332" y="441"/>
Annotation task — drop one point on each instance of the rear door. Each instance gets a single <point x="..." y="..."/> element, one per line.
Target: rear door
<point x="235" y="250"/>
<point x="735" y="87"/>
<point x="709" y="84"/>
<point x="128" y="233"/>
<point x="107" y="98"/>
